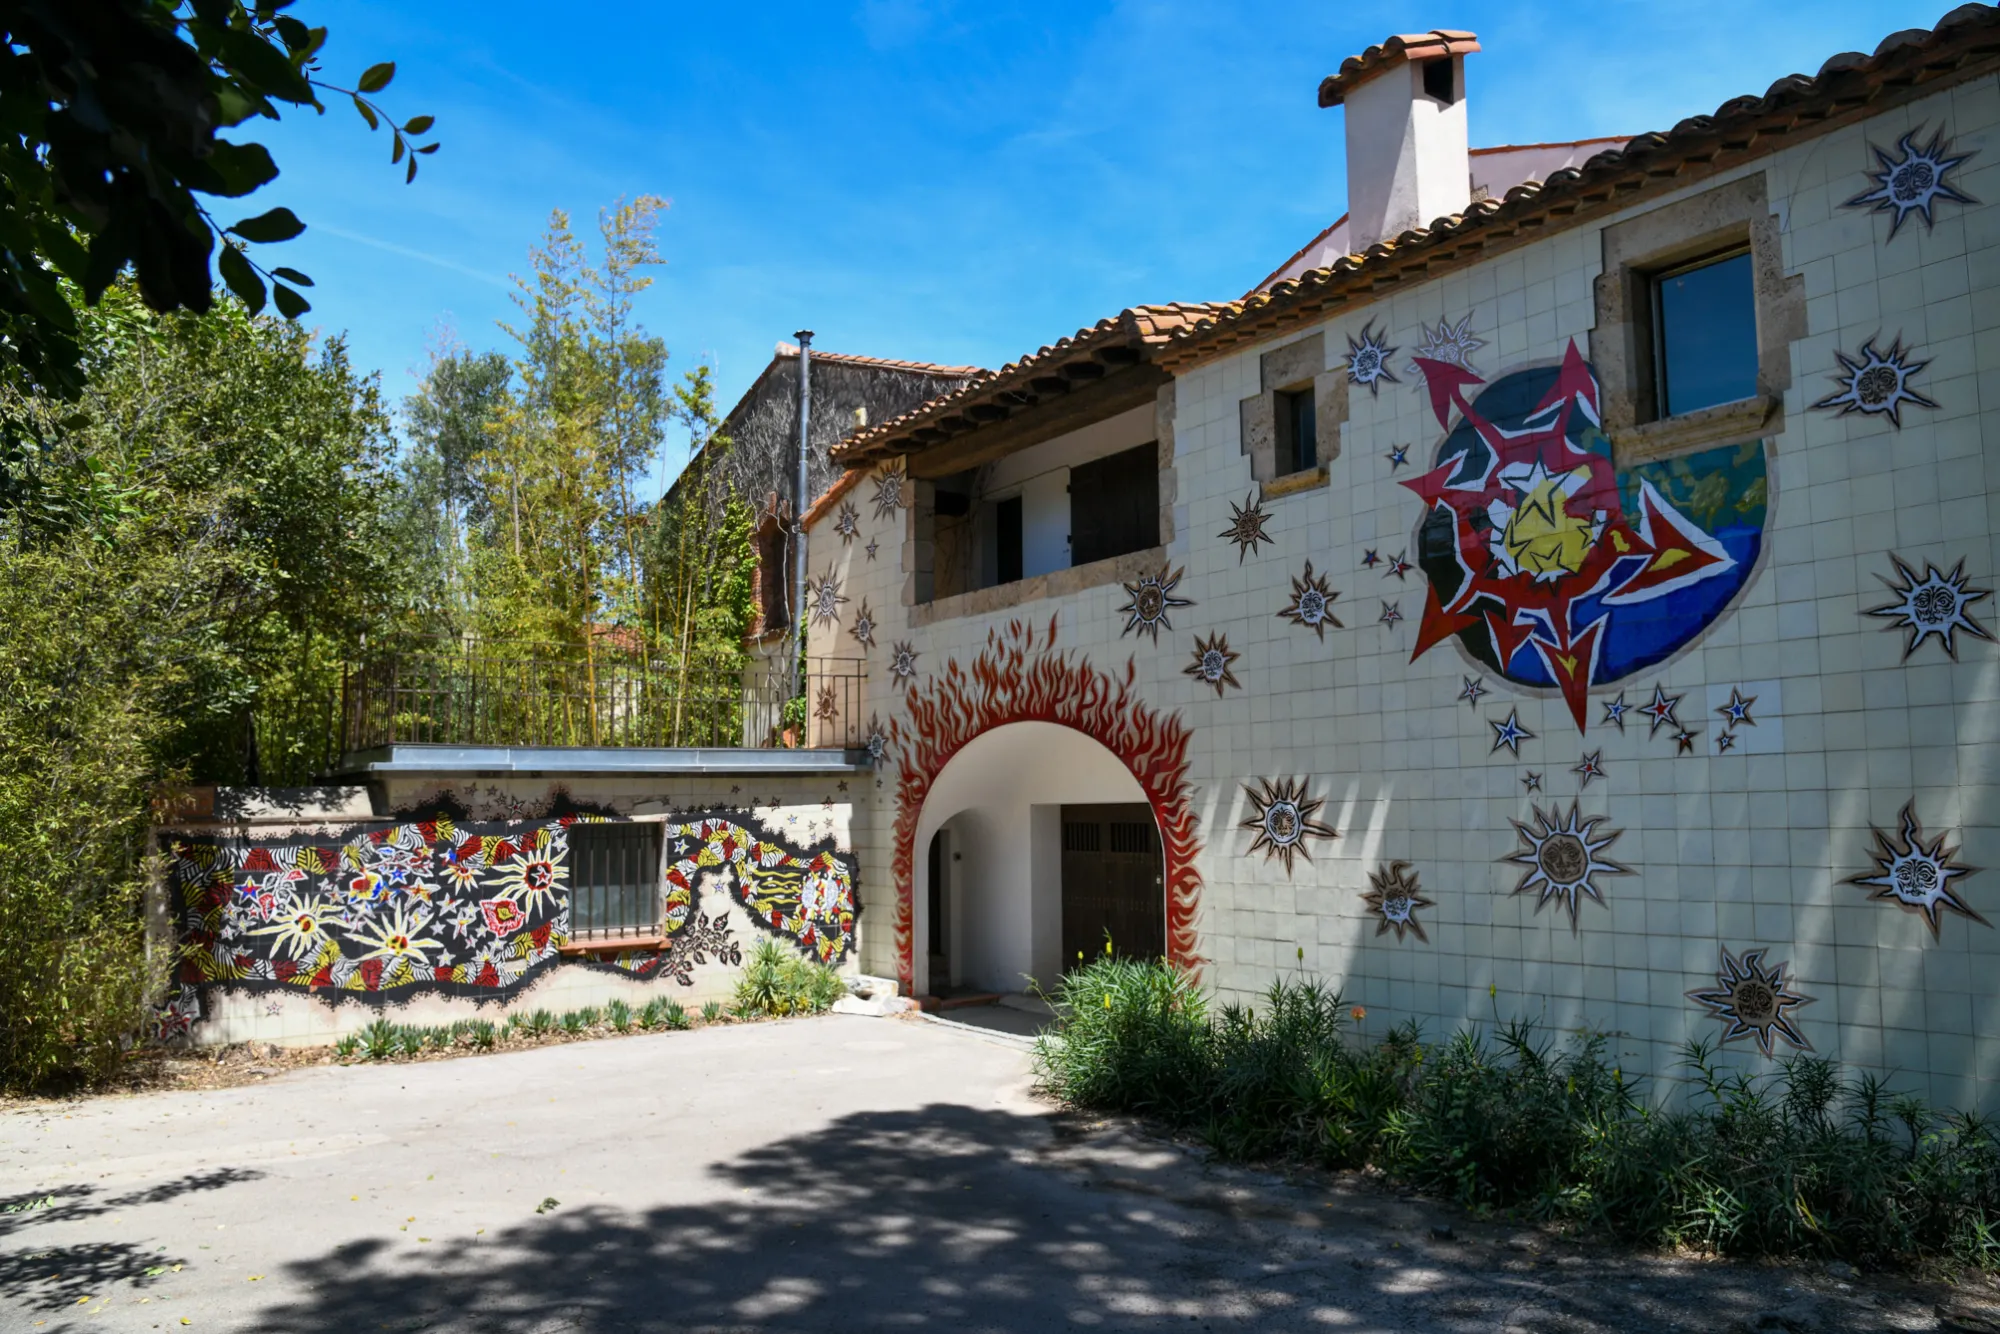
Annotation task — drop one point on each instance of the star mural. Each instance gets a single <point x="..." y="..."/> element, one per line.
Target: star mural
<point x="1312" y="603"/>
<point x="1660" y="713"/>
<point x="1368" y="359"/>
<point x="1590" y="766"/>
<point x="1394" y="895"/>
<point x="1452" y="344"/>
<point x="1282" y="818"/>
<point x="1725" y="740"/>
<point x="1737" y="710"/>
<point x="863" y="628"/>
<point x="1916" y="182"/>
<point x="1875" y="383"/>
<point x="1684" y="741"/>
<point x="1916" y="876"/>
<point x="1562" y="857"/>
<point x="1510" y="733"/>
<point x="1475" y="686"/>
<point x="1398" y="567"/>
<point x="889" y="490"/>
<point x="1532" y="781"/>
<point x="1370" y="559"/>
<point x="1149" y="601"/>
<point x="825" y="599"/>
<point x="1554" y="567"/>
<point x="1753" y="1001"/>
<point x="827" y="707"/>
<point x="1246" y="528"/>
<point x="1391" y="613"/>
<point x="903" y="663"/>
<point x="1615" y="711"/>
<point x="847" y="523"/>
<point x="1934" y="605"/>
<point x="1212" y="660"/>
<point x="1398" y="457"/>
<point x="872" y="548"/>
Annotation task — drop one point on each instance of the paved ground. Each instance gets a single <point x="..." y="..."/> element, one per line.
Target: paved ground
<point x="833" y="1174"/>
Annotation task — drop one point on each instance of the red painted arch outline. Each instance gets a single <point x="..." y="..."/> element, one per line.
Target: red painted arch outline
<point x="1018" y="679"/>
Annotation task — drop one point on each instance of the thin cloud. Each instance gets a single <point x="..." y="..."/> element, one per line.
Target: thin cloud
<point x="491" y="280"/>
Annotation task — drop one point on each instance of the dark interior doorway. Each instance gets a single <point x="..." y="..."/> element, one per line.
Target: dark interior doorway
<point x="1113" y="880"/>
<point x="937" y="905"/>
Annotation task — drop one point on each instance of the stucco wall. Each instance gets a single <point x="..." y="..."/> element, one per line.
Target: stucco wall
<point x="1720" y="854"/>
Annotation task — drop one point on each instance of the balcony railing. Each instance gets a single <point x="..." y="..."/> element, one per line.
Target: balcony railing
<point x="489" y="696"/>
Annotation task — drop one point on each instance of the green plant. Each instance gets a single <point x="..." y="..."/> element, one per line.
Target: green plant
<point x="573" y="1022"/>
<point x="674" y="1016"/>
<point x="590" y="1016"/>
<point x="652" y="1014"/>
<point x="778" y="981"/>
<point x="712" y="1012"/>
<point x="411" y="1039"/>
<point x="620" y="1016"/>
<point x="481" y="1034"/>
<point x="379" y="1040"/>
<point x="540" y="1024"/>
<point x="346" y="1046"/>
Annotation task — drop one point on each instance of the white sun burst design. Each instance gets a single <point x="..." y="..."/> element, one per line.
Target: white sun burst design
<point x="847" y="523"/>
<point x="1450" y="343"/>
<point x="825" y="598"/>
<point x="1913" y="183"/>
<point x="1282" y="818"/>
<point x="1563" y="858"/>
<point x="1916" y="876"/>
<point x="1213" y="659"/>
<point x="1312" y="603"/>
<point x="903" y="662"/>
<point x="877" y="744"/>
<point x="1149" y="600"/>
<point x="1876" y="383"/>
<point x="1368" y="359"/>
<point x="1394" y="894"/>
<point x="1933" y="605"/>
<point x="889" y="490"/>
<point x="1754" y="1001"/>
<point x="864" y="626"/>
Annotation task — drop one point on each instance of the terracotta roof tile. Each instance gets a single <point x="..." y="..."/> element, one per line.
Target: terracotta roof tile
<point x="883" y="363"/>
<point x="1411" y="46"/>
<point x="1847" y="87"/>
<point x="1142" y="327"/>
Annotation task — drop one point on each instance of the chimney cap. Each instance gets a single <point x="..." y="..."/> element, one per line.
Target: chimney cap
<point x="1413" y="46"/>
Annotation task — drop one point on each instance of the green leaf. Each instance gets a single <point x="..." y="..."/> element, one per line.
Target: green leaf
<point x="419" y="124"/>
<point x="239" y="168"/>
<point x="428" y="148"/>
<point x="411" y="174"/>
<point x="397" y="154"/>
<point x="367" y="114"/>
<point x="290" y="304"/>
<point x="292" y="276"/>
<point x="242" y="279"/>
<point x="280" y="224"/>
<point x="376" y="77"/>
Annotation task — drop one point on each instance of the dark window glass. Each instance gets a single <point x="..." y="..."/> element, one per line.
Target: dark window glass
<point x="615" y="886"/>
<point x="1114" y="504"/>
<point x="1705" y="335"/>
<point x="1007" y="539"/>
<point x="1298" y="433"/>
<point x="771" y="579"/>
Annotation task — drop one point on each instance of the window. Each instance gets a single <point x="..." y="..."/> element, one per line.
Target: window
<point x="1439" y="80"/>
<point x="771" y="578"/>
<point x="1298" y="433"/>
<point x="614" y="880"/>
<point x="1704" y="334"/>
<point x="1007" y="539"/>
<point x="1114" y="504"/>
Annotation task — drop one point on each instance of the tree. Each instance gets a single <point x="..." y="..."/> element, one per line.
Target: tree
<point x="448" y="425"/>
<point x="114" y="116"/>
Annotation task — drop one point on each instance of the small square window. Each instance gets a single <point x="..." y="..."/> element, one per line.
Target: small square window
<point x="614" y="880"/>
<point x="1298" y="432"/>
<point x="1704" y="334"/>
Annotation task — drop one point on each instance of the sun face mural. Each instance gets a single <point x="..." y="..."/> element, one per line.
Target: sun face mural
<point x="1563" y="858"/>
<point x="1917" y="876"/>
<point x="1553" y="567"/>
<point x="1394" y="896"/>
<point x="1754" y="1001"/>
<point x="1916" y="181"/>
<point x="1282" y="817"/>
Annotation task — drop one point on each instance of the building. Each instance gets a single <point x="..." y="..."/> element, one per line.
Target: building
<point x="1571" y="603"/>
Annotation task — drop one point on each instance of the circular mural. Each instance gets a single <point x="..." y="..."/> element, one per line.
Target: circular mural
<point x="1553" y="566"/>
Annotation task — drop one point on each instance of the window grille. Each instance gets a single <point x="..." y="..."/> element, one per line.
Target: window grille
<point x="1082" y="837"/>
<point x="1131" y="836"/>
<point x="614" y="880"/>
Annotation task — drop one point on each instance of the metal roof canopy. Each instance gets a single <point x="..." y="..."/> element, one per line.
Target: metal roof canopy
<point x="411" y="758"/>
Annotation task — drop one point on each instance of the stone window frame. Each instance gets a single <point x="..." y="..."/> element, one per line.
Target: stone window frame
<point x="1717" y="220"/>
<point x="1295" y="367"/>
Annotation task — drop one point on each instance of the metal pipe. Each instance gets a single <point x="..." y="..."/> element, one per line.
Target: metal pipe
<point x="800" y="482"/>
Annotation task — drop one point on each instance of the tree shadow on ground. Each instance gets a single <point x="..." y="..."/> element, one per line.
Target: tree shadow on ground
<point x="54" y="1275"/>
<point x="962" y="1219"/>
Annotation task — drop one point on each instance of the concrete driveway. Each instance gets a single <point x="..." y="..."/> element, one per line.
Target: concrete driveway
<point x="831" y="1174"/>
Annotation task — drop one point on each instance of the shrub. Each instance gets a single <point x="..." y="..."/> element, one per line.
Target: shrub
<point x="411" y="1039"/>
<point x="651" y="1014"/>
<point x="540" y="1024"/>
<point x="378" y="1040"/>
<point x="673" y="1016"/>
<point x="573" y="1022"/>
<point x="778" y="981"/>
<point x="1796" y="1162"/>
<point x="620" y="1015"/>
<point x="712" y="1012"/>
<point x="346" y="1046"/>
<point x="481" y="1034"/>
<point x="590" y="1016"/>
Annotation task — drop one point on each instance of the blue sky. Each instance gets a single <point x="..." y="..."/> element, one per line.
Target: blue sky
<point x="954" y="182"/>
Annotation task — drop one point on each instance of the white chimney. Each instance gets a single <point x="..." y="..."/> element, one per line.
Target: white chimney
<point x="1407" y="160"/>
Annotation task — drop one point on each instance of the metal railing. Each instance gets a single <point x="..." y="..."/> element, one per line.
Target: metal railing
<point x="489" y="695"/>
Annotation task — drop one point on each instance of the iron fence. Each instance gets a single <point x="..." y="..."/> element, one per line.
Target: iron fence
<point x="486" y="696"/>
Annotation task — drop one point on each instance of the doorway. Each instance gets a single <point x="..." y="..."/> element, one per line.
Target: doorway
<point x="1113" y="882"/>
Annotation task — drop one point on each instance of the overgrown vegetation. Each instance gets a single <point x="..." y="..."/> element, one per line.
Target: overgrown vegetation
<point x="384" y="1041"/>
<point x="777" y="981"/>
<point x="1794" y="1162"/>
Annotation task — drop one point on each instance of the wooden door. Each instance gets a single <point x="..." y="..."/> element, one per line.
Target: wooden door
<point x="1113" y="880"/>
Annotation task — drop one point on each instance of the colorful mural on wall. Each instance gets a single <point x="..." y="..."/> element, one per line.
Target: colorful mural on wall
<point x="1563" y="858"/>
<point x="1394" y="895"/>
<point x="1020" y="676"/>
<point x="1555" y="568"/>
<point x="1247" y="528"/>
<point x="474" y="909"/>
<point x="1754" y="1001"/>
<point x="1282" y="816"/>
<point x="1149" y="600"/>
<point x="1916" y="181"/>
<point x="1875" y="383"/>
<point x="1933" y="606"/>
<point x="1916" y="876"/>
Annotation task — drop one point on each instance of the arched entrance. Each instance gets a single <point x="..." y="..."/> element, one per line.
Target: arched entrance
<point x="1038" y="840"/>
<point x="1020" y="677"/>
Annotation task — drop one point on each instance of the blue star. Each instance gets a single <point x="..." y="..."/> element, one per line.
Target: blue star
<point x="1398" y="457"/>
<point x="1737" y="710"/>
<point x="1510" y="733"/>
<point x="1368" y="561"/>
<point x="1724" y="740"/>
<point x="1615" y="711"/>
